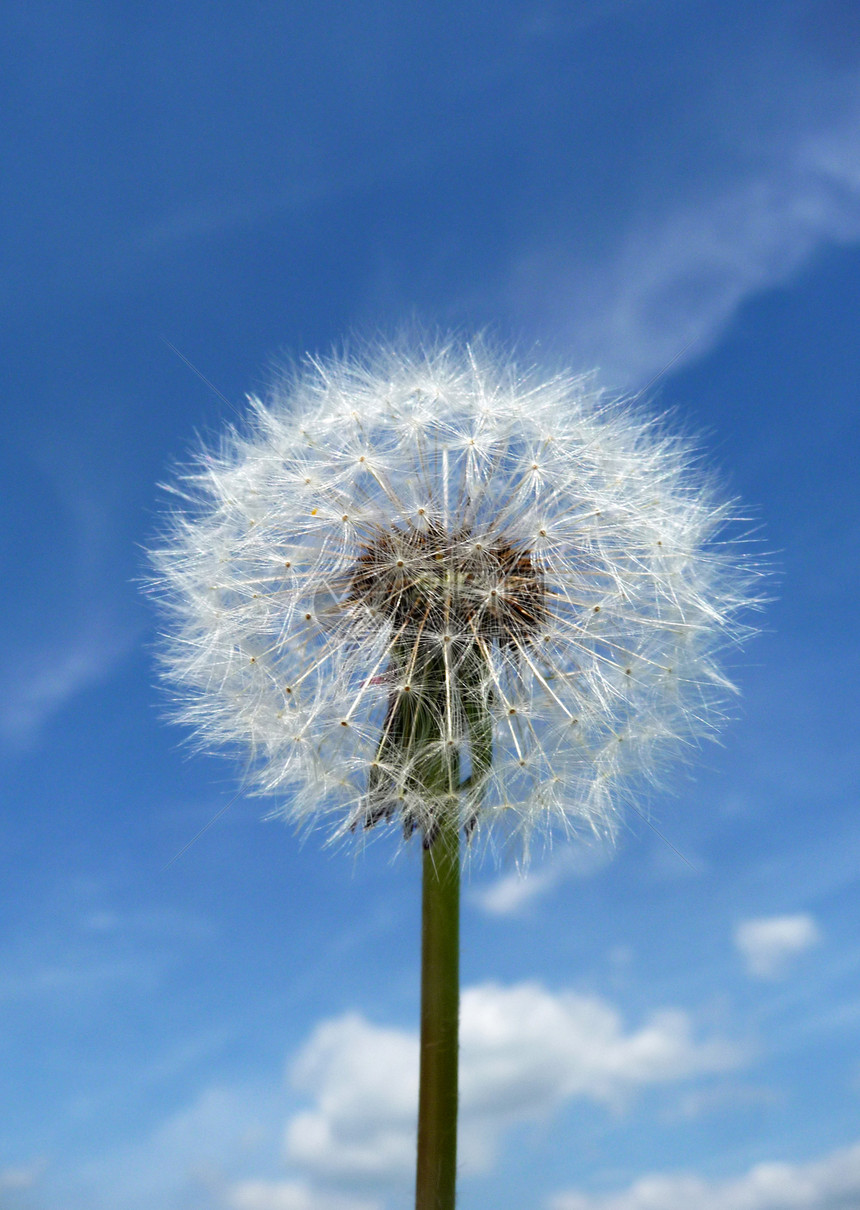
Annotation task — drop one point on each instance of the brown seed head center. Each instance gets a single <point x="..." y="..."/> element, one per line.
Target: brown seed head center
<point x="438" y="584"/>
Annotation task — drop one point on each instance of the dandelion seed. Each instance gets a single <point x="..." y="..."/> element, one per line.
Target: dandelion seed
<point x="439" y="572"/>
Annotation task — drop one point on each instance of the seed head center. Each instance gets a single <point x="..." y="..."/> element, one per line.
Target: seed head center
<point x="436" y="583"/>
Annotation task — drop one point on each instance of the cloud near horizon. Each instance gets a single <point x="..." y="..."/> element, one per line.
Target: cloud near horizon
<point x="525" y="1051"/>
<point x="831" y="1183"/>
<point x="291" y="1195"/>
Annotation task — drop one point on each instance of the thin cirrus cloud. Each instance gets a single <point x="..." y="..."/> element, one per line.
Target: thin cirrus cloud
<point x="182" y="1161"/>
<point x="831" y="1183"/>
<point x="770" y="944"/>
<point x="525" y="1052"/>
<point x="21" y="1177"/>
<point x="55" y="677"/>
<point x="89" y="638"/>
<point x="668" y="285"/>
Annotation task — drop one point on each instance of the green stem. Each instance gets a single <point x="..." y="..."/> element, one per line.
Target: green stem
<point x="440" y="1005"/>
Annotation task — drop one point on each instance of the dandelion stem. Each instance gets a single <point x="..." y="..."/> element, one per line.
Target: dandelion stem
<point x="440" y="1005"/>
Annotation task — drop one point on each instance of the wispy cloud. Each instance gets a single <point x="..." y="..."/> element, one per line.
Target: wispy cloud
<point x="53" y="677"/>
<point x="183" y="1160"/>
<point x="831" y="1183"/>
<point x="66" y="645"/>
<point x="679" y="267"/>
<point x="76" y="977"/>
<point x="516" y="890"/>
<point x="23" y="1177"/>
<point x="672" y="284"/>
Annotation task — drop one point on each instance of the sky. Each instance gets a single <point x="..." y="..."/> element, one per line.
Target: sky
<point x="666" y="191"/>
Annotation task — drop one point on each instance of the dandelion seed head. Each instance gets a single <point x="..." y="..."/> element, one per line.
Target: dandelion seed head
<point x="423" y="581"/>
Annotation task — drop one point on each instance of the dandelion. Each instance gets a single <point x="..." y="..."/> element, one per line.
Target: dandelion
<point x="431" y="590"/>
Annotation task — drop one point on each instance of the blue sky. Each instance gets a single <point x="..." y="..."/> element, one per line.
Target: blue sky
<point x="669" y="191"/>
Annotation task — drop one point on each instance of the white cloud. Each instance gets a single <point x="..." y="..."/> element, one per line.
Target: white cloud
<point x="832" y="1183"/>
<point x="524" y="1052"/>
<point x="769" y="944"/>
<point x="514" y="891"/>
<point x="364" y="1080"/>
<point x="290" y="1195"/>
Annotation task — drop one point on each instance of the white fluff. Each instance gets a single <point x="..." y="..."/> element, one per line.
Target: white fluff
<point x="591" y="662"/>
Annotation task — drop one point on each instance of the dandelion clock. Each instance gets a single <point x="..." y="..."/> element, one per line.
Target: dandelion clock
<point x="426" y="589"/>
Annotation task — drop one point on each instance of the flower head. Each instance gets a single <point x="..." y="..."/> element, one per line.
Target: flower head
<point x="424" y="582"/>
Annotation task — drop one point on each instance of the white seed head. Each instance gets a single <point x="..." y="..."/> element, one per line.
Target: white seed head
<point x="424" y="581"/>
